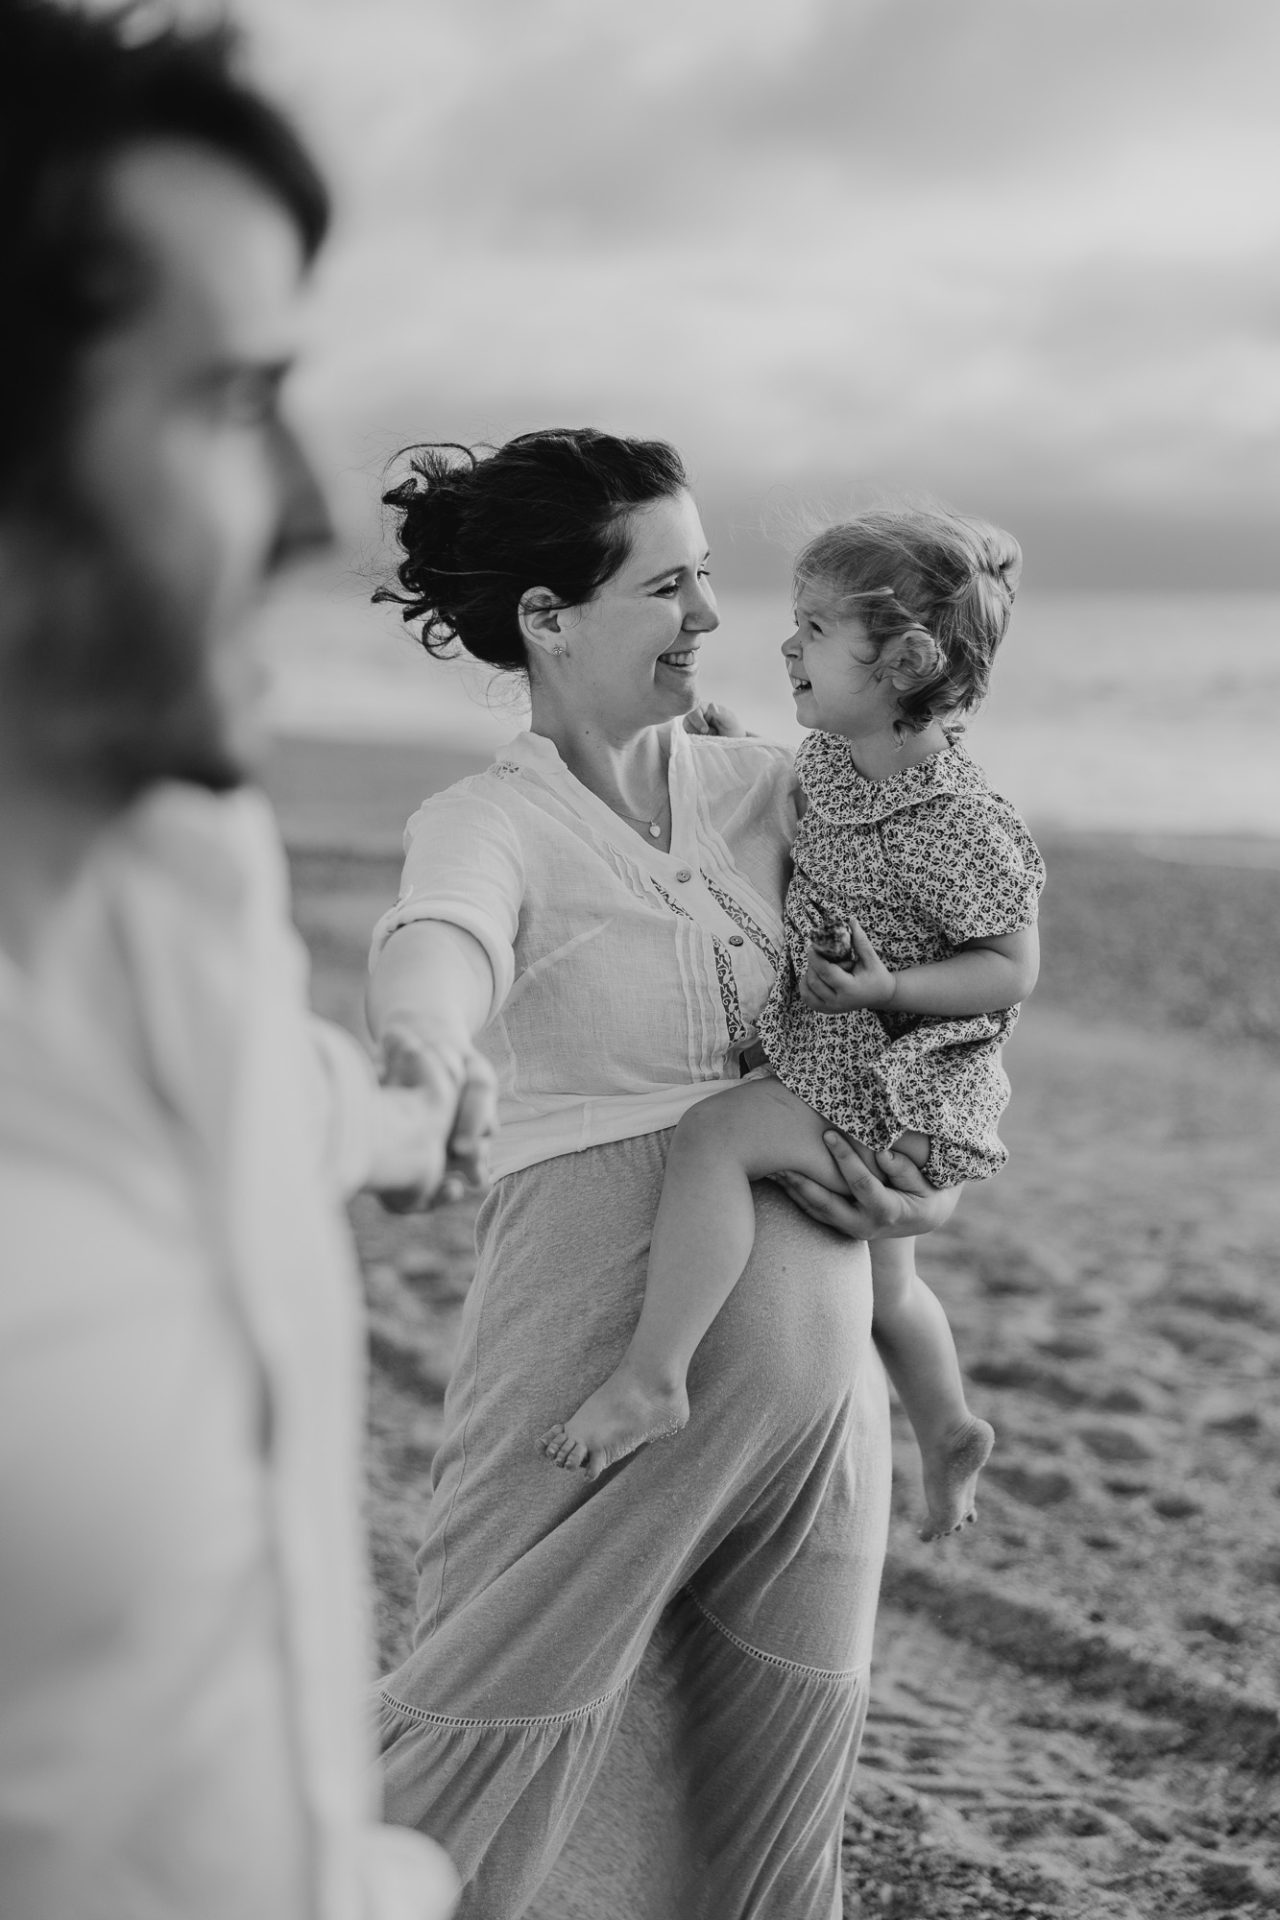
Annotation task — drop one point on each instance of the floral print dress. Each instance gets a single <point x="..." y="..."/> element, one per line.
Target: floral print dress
<point x="925" y="861"/>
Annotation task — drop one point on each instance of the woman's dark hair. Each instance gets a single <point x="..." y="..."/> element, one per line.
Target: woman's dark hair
<point x="933" y="578"/>
<point x="479" y="528"/>
<point x="78" y="88"/>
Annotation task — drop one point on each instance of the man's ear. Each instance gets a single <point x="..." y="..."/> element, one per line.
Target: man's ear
<point x="539" y="616"/>
<point x="911" y="658"/>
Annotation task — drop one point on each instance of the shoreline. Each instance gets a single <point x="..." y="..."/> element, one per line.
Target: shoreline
<point x="1168" y="932"/>
<point x="351" y="798"/>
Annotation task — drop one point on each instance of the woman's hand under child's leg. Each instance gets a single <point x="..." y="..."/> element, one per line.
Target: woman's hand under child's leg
<point x="870" y="1196"/>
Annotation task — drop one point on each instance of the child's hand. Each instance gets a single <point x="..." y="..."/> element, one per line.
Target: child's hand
<point x="713" y="718"/>
<point x="862" y="981"/>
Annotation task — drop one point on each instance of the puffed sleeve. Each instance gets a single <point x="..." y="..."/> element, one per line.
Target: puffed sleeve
<point x="985" y="873"/>
<point x="463" y="865"/>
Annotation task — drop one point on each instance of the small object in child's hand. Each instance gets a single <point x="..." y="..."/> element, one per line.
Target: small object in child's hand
<point x="830" y="935"/>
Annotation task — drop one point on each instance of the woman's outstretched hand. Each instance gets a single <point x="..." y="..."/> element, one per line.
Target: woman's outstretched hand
<point x="888" y="1197"/>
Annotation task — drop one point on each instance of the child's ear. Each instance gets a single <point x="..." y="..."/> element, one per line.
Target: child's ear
<point x="911" y="658"/>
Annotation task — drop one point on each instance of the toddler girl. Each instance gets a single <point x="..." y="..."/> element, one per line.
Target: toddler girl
<point x="910" y="941"/>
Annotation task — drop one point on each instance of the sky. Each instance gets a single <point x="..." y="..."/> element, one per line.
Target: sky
<point x="1024" y="254"/>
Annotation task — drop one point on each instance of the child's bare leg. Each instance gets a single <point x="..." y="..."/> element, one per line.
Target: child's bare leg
<point x="914" y="1338"/>
<point x="702" y="1240"/>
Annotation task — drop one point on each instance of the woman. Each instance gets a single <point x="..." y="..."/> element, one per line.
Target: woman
<point x="660" y="1675"/>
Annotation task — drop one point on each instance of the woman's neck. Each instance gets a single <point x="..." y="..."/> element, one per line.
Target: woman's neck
<point x="625" y="769"/>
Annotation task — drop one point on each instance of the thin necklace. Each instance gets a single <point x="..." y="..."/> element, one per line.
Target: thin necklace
<point x="652" y="827"/>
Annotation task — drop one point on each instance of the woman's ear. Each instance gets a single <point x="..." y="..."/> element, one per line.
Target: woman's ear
<point x="911" y="658"/>
<point x="539" y="616"/>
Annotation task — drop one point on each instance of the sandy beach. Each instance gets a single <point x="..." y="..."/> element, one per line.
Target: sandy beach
<point x="1077" y="1704"/>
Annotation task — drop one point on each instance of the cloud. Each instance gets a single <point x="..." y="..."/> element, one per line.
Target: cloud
<point x="1007" y="249"/>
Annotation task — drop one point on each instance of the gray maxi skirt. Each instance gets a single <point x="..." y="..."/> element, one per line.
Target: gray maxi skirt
<point x="641" y="1698"/>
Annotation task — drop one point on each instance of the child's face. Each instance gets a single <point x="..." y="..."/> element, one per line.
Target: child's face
<point x="835" y="677"/>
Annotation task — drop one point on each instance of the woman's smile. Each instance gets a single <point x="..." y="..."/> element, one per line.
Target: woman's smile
<point x="680" y="660"/>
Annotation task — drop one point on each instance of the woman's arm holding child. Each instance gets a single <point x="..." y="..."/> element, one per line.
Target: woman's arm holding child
<point x="886" y="1196"/>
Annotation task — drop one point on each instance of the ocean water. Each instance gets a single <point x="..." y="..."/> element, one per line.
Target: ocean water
<point x="1136" y="712"/>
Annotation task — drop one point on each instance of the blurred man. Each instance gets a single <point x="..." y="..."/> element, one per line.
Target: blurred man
<point x="182" y="1605"/>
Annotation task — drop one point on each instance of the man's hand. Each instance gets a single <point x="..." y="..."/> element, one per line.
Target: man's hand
<point x="438" y="1116"/>
<point x="889" y="1198"/>
<point x="828" y="986"/>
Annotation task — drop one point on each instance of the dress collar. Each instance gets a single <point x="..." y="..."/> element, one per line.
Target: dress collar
<point x="840" y="794"/>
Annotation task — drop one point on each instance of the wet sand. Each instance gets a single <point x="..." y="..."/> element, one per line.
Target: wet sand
<point x="1077" y="1702"/>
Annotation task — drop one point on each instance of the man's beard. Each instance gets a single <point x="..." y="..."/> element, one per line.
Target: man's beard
<point x="109" y="674"/>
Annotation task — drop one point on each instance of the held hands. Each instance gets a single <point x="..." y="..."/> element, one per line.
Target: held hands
<point x="441" y="1136"/>
<point x="841" y="986"/>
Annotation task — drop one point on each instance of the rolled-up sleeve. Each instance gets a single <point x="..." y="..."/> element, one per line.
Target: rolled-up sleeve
<point x="463" y="866"/>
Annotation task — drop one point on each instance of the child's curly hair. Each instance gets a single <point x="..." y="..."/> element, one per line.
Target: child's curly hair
<point x="940" y="581"/>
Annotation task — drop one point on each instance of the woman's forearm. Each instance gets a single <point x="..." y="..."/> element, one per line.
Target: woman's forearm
<point x="433" y="981"/>
<point x="430" y="993"/>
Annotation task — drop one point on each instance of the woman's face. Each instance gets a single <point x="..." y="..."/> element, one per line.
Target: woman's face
<point x="632" y="651"/>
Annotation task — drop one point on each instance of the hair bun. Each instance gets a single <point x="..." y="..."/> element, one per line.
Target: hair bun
<point x="431" y="503"/>
<point x="1004" y="559"/>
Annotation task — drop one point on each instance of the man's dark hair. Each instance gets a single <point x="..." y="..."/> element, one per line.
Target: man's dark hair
<point x="77" y="89"/>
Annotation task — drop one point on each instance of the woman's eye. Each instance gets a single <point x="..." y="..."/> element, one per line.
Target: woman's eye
<point x="669" y="587"/>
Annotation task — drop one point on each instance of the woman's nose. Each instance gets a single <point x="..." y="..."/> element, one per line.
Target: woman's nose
<point x="703" y="615"/>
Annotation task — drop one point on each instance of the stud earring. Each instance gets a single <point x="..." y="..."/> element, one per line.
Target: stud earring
<point x="558" y="653"/>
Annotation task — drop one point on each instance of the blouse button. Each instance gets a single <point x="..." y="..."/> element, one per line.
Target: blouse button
<point x="735" y="939"/>
<point x="683" y="873"/>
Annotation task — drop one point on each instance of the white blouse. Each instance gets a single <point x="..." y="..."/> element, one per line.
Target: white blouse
<point x="627" y="979"/>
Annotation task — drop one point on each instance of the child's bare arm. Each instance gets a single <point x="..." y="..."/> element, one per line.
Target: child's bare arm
<point x="982" y="977"/>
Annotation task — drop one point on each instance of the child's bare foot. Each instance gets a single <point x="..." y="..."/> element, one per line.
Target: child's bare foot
<point x="616" y="1419"/>
<point x="951" y="1470"/>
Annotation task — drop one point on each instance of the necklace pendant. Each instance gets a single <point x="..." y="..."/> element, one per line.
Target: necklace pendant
<point x="655" y="831"/>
